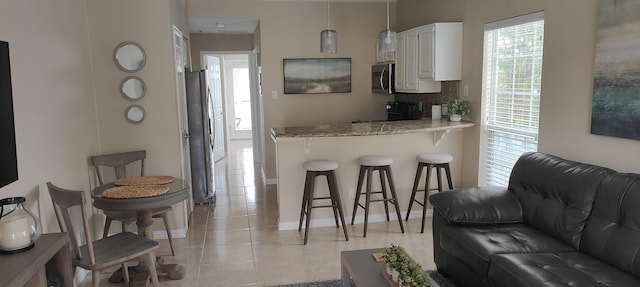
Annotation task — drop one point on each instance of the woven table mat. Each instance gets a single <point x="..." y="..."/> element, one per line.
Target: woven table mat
<point x="135" y="191"/>
<point x="144" y="180"/>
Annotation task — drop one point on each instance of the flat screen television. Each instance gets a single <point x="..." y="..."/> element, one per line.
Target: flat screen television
<point x="8" y="158"/>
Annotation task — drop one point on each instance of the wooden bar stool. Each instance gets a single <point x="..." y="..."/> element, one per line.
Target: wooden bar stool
<point x="369" y="164"/>
<point x="430" y="160"/>
<point x="316" y="168"/>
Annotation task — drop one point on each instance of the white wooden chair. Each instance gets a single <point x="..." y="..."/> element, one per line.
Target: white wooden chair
<point x="102" y="253"/>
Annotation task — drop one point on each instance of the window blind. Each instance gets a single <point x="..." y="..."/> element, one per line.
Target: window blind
<point x="513" y="51"/>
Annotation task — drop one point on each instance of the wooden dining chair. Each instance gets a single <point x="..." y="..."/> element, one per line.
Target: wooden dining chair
<point x="102" y="253"/>
<point x="119" y="162"/>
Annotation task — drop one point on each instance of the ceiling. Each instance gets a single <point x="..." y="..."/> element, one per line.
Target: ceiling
<point x="243" y="26"/>
<point x="222" y="26"/>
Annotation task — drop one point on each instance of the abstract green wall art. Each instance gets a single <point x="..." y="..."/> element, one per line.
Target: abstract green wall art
<point x="616" y="88"/>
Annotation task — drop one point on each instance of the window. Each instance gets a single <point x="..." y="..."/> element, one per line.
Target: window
<point x="511" y="94"/>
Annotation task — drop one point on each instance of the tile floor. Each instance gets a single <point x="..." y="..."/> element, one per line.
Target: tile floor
<point x="236" y="242"/>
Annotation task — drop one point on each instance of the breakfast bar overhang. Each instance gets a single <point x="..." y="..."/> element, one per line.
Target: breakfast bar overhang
<point x="344" y="143"/>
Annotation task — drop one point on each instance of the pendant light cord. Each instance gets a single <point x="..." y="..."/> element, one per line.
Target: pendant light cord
<point x="328" y="15"/>
<point x="387" y="14"/>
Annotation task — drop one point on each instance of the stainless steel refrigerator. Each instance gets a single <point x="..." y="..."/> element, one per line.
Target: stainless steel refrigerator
<point x="200" y="137"/>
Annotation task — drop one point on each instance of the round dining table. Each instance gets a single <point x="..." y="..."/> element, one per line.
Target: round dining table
<point x="143" y="206"/>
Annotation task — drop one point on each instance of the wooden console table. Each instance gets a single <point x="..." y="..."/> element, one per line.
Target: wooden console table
<point x="28" y="268"/>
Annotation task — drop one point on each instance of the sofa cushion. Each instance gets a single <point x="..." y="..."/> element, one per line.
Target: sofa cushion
<point x="556" y="194"/>
<point x="612" y="233"/>
<point x="556" y="269"/>
<point x="476" y="244"/>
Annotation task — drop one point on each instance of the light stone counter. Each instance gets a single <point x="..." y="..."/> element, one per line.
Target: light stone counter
<point x="370" y="128"/>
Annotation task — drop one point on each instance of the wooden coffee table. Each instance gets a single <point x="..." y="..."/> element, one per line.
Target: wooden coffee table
<point x="360" y="267"/>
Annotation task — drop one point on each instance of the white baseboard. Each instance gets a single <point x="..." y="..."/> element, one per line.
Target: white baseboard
<point x="271" y="181"/>
<point x="176" y="233"/>
<point x="325" y="222"/>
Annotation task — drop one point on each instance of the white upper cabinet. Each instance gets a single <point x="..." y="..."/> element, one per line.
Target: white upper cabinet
<point x="411" y="66"/>
<point x="440" y="51"/>
<point x="428" y="54"/>
<point x="400" y="58"/>
<point x="427" y="36"/>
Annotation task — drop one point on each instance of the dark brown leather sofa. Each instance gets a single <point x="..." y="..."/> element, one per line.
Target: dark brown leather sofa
<point x="559" y="223"/>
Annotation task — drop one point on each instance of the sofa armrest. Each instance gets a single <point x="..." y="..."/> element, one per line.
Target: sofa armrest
<point x="479" y="205"/>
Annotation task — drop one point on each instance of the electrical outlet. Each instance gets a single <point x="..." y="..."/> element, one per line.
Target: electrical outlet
<point x="466" y="91"/>
<point x="274" y="94"/>
<point x="352" y="192"/>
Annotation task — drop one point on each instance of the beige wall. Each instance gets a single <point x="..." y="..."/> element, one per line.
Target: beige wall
<point x="147" y="23"/>
<point x="567" y="80"/>
<point x="66" y="98"/>
<point x="218" y="42"/>
<point x="292" y="30"/>
<point x="52" y="98"/>
<point x="179" y="16"/>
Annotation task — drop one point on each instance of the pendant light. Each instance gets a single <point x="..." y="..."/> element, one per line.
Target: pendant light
<point x="328" y="38"/>
<point x="387" y="38"/>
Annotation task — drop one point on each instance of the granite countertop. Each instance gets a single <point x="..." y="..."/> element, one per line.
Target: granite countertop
<point x="370" y="128"/>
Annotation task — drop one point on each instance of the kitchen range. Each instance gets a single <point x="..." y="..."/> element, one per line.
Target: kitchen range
<point x="403" y="111"/>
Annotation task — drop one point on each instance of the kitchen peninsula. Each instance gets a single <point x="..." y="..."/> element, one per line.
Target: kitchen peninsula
<point x="344" y="143"/>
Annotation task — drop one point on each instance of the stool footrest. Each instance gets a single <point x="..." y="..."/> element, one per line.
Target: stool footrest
<point x="430" y="189"/>
<point x="418" y="202"/>
<point x="388" y="199"/>
<point x="373" y="192"/>
<point x="320" y="206"/>
<point x="378" y="200"/>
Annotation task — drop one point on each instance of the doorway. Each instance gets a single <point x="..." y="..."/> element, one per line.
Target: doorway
<point x="242" y="100"/>
<point x="237" y="92"/>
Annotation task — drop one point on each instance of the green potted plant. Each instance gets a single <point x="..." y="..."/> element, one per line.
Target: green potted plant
<point x="401" y="269"/>
<point x="395" y="259"/>
<point x="413" y="276"/>
<point x="457" y="109"/>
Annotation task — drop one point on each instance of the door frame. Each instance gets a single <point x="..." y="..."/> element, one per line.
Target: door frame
<point x="230" y="92"/>
<point x="257" y="112"/>
<point x="183" y="127"/>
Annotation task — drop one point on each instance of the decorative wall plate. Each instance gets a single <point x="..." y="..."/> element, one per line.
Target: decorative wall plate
<point x="133" y="88"/>
<point x="134" y="114"/>
<point x="129" y="57"/>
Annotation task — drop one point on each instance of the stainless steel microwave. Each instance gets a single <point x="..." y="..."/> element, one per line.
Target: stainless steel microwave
<point x="383" y="78"/>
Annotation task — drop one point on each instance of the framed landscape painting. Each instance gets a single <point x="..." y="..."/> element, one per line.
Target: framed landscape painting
<point x="317" y="76"/>
<point x="616" y="86"/>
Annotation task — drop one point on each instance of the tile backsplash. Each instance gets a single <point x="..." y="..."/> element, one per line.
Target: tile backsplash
<point x="450" y="89"/>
